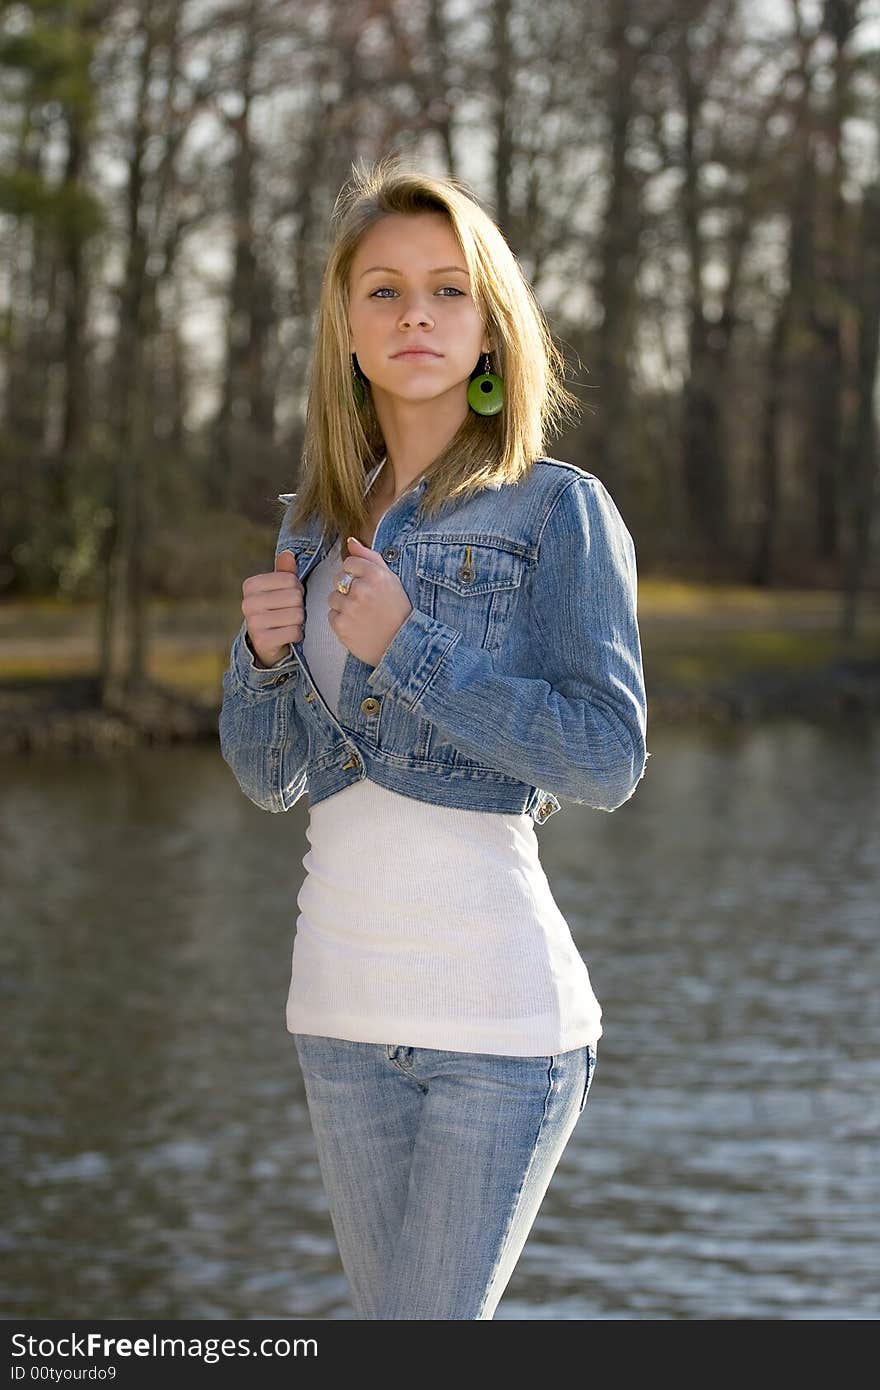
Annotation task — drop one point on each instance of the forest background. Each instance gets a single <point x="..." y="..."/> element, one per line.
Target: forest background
<point x="693" y="188"/>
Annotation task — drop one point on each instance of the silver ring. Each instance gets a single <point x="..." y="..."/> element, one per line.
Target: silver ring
<point x="344" y="584"/>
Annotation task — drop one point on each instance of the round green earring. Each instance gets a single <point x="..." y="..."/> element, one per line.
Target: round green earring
<point x="486" y="392"/>
<point x="357" y="386"/>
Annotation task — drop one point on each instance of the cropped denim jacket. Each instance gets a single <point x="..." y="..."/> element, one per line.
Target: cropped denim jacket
<point x="516" y="679"/>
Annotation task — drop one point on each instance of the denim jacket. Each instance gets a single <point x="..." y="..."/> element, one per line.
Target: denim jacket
<point x="516" y="679"/>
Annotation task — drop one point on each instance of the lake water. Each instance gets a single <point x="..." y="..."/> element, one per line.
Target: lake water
<point x="158" y="1156"/>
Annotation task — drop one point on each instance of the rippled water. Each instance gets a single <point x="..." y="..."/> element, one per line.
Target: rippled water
<point x="158" y="1157"/>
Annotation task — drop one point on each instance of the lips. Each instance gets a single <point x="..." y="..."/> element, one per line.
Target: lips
<point x="416" y="352"/>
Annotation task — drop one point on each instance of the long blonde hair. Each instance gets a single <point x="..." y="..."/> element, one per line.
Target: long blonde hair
<point x="342" y="441"/>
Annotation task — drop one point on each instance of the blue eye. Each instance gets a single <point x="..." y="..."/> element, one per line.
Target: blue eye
<point x="382" y="288"/>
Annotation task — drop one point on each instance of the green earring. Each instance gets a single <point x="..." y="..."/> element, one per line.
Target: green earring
<point x="357" y="386"/>
<point x="486" y="392"/>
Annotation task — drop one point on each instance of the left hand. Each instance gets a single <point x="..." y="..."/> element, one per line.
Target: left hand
<point x="368" y="617"/>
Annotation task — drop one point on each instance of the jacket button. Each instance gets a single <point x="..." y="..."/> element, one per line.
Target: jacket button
<point x="370" y="705"/>
<point x="390" y="552"/>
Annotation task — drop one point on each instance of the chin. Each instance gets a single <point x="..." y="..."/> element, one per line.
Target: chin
<point x="422" y="394"/>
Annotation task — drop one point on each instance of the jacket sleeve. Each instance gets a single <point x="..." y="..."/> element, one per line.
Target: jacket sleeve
<point x="262" y="737"/>
<point x="580" y="729"/>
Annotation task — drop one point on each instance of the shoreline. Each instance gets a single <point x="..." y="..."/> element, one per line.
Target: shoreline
<point x="61" y="714"/>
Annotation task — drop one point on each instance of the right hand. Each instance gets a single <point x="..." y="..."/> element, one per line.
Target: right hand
<point x="274" y="609"/>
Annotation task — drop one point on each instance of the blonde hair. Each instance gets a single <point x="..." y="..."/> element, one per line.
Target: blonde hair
<point x="342" y="441"/>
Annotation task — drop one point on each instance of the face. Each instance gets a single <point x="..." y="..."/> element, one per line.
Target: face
<point x="420" y="297"/>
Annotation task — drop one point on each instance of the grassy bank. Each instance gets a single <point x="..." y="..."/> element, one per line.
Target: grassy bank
<point x="709" y="654"/>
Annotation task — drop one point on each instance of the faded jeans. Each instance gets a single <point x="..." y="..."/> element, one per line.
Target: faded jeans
<point x="435" y="1164"/>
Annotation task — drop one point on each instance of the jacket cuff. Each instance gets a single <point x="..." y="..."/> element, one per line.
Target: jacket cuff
<point x="412" y="658"/>
<point x="250" y="675"/>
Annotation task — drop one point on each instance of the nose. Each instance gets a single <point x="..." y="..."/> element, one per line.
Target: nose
<point x="411" y="313"/>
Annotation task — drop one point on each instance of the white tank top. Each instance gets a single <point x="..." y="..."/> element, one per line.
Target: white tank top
<point x="424" y="925"/>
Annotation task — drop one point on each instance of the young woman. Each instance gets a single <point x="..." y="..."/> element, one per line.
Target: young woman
<point x="447" y="640"/>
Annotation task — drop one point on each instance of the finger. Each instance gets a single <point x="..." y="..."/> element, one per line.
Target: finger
<point x="360" y="570"/>
<point x="281" y="580"/>
<point x="279" y="613"/>
<point x="278" y="599"/>
<point x="358" y="551"/>
<point x="357" y="564"/>
<point x="276" y="636"/>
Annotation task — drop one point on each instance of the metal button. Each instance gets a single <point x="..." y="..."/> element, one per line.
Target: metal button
<point x="390" y="552"/>
<point x="352" y="762"/>
<point x="370" y="705"/>
<point x="310" y="696"/>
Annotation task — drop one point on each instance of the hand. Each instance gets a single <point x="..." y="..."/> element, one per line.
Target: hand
<point x="274" y="607"/>
<point x="368" y="617"/>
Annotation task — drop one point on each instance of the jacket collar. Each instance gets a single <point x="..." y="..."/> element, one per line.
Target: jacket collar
<point x="371" y="476"/>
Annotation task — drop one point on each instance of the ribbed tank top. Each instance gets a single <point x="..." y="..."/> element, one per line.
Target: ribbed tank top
<point x="424" y="925"/>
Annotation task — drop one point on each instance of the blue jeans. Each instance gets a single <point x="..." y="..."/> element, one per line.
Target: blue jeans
<point x="435" y="1164"/>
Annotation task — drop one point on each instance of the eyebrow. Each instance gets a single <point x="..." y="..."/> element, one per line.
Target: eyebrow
<point x="389" y="270"/>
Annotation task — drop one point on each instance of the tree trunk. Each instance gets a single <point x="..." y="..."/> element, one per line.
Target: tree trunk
<point x="862" y="477"/>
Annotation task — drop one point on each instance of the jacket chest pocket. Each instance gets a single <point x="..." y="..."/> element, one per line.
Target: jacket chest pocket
<point x="473" y="585"/>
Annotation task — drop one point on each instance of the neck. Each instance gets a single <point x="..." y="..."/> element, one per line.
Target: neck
<point x="415" y="433"/>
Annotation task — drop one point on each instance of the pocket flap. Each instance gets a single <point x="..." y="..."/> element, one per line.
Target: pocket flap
<point x="471" y="567"/>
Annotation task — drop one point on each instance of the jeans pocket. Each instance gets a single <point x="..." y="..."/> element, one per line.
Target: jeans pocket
<point x="590" y="1059"/>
